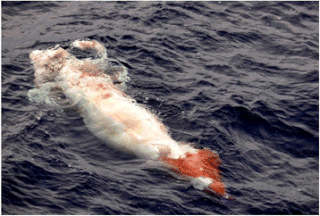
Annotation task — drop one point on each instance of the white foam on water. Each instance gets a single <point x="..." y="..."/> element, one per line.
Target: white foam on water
<point x="42" y="94"/>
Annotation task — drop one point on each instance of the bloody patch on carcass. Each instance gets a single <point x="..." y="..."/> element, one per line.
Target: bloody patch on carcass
<point x="203" y="163"/>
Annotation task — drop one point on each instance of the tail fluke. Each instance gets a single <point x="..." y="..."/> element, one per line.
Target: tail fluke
<point x="203" y="167"/>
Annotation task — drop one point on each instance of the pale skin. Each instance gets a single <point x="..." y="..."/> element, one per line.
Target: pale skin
<point x="116" y="118"/>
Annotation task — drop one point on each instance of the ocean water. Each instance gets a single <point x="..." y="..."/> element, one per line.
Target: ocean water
<point x="240" y="78"/>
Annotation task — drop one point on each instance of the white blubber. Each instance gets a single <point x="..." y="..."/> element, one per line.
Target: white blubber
<point x="96" y="87"/>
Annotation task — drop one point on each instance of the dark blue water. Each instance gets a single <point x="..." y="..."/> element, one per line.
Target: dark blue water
<point x="241" y="78"/>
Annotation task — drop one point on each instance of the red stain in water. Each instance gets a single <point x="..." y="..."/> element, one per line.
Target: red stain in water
<point x="203" y="163"/>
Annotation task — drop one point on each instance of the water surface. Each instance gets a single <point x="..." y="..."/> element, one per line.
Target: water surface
<point x="241" y="78"/>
